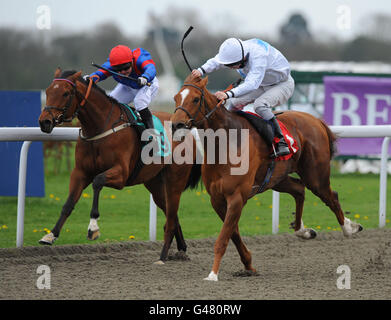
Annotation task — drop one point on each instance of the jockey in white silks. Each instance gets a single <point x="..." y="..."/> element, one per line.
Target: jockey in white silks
<point x="267" y="80"/>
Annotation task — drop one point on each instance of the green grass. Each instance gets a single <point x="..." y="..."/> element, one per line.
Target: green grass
<point x="125" y="213"/>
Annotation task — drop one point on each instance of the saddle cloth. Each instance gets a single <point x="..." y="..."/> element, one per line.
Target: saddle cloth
<point x="163" y="141"/>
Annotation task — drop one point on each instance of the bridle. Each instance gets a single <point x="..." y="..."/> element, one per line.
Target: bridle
<point x="61" y="117"/>
<point x="192" y="122"/>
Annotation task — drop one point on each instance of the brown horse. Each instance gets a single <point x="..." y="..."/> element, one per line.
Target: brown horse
<point x="196" y="106"/>
<point x="108" y="153"/>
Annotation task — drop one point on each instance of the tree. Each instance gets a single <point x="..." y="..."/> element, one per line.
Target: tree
<point x="295" y="31"/>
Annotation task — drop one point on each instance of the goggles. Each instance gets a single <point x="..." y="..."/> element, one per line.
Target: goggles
<point x="122" y="67"/>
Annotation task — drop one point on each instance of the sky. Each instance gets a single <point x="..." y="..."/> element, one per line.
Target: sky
<point x="345" y="19"/>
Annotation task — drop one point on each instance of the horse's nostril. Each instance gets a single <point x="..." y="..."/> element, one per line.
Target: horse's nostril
<point x="46" y="126"/>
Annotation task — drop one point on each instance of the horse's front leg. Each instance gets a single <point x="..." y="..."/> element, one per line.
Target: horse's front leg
<point x="93" y="228"/>
<point x="78" y="183"/>
<point x="111" y="178"/>
<point x="235" y="205"/>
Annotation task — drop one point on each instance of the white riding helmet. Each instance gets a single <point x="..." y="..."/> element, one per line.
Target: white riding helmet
<point x="231" y="51"/>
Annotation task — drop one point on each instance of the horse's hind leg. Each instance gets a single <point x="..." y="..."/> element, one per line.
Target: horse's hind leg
<point x="170" y="207"/>
<point x="318" y="181"/>
<point x="296" y="189"/>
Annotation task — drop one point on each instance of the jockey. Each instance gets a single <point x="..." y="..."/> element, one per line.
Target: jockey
<point x="137" y="64"/>
<point x="267" y="80"/>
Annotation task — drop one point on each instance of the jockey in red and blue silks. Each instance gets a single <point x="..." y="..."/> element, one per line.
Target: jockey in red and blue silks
<point x="139" y="65"/>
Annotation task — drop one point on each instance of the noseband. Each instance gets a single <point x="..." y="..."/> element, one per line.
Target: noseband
<point x="192" y="122"/>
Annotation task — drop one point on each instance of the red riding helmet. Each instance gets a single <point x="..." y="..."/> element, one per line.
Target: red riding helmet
<point x="120" y="54"/>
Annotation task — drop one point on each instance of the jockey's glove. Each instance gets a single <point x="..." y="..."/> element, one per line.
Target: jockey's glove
<point x="142" y="81"/>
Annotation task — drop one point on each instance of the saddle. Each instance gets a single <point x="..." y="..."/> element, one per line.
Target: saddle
<point x="133" y="118"/>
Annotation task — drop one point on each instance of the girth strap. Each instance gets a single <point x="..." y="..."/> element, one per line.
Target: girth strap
<point x="106" y="133"/>
<point x="268" y="176"/>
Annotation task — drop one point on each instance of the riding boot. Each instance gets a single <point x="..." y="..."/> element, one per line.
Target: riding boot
<point x="282" y="146"/>
<point x="146" y="117"/>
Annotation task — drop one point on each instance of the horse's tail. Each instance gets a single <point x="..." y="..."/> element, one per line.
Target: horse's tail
<point x="194" y="177"/>
<point x="331" y="137"/>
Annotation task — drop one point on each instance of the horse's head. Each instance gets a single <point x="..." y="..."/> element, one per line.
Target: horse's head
<point x="61" y="100"/>
<point x="193" y="103"/>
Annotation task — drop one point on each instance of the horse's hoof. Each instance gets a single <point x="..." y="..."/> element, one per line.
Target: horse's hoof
<point x="306" y="234"/>
<point x="212" y="277"/>
<point x="246" y="273"/>
<point x="313" y="234"/>
<point x="160" y="262"/>
<point x="48" y="239"/>
<point x="179" y="256"/>
<point x="93" y="235"/>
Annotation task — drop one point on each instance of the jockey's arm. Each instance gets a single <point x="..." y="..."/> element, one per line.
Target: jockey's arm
<point x="209" y="66"/>
<point x="101" y="74"/>
<point x="149" y="72"/>
<point x="252" y="82"/>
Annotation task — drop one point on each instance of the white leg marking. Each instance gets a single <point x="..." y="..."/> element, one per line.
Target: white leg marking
<point x="93" y="226"/>
<point x="350" y="227"/>
<point x="48" y="238"/>
<point x="212" y="277"/>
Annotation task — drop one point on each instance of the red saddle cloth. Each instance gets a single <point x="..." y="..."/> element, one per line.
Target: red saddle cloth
<point x="292" y="144"/>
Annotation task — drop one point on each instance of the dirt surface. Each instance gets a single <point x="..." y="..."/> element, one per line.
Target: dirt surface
<point x="288" y="268"/>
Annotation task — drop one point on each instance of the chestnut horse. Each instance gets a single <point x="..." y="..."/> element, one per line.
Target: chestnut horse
<point x="197" y="107"/>
<point x="108" y="154"/>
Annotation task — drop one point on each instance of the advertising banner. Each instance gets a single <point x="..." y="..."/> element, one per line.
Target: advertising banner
<point x="358" y="101"/>
<point x="21" y="109"/>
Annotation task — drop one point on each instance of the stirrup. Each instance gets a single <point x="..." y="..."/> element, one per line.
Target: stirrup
<point x="280" y="153"/>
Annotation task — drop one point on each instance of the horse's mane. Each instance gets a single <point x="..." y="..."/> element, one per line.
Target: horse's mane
<point x="67" y="73"/>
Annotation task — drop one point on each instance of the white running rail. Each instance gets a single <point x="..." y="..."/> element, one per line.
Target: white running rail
<point x="29" y="134"/>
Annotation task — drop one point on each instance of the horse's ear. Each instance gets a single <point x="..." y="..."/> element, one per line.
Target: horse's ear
<point x="204" y="81"/>
<point x="57" y="73"/>
<point x="76" y="75"/>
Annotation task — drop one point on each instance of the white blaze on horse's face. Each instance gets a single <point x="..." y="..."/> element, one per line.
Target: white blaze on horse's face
<point x="184" y="94"/>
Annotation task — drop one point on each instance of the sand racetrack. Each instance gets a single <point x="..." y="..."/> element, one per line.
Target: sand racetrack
<point x="288" y="268"/>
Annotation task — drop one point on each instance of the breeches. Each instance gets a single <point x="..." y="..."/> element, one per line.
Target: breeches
<point x="141" y="97"/>
<point x="264" y="98"/>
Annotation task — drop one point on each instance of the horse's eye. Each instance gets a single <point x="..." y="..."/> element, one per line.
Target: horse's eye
<point x="195" y="100"/>
<point x="66" y="94"/>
